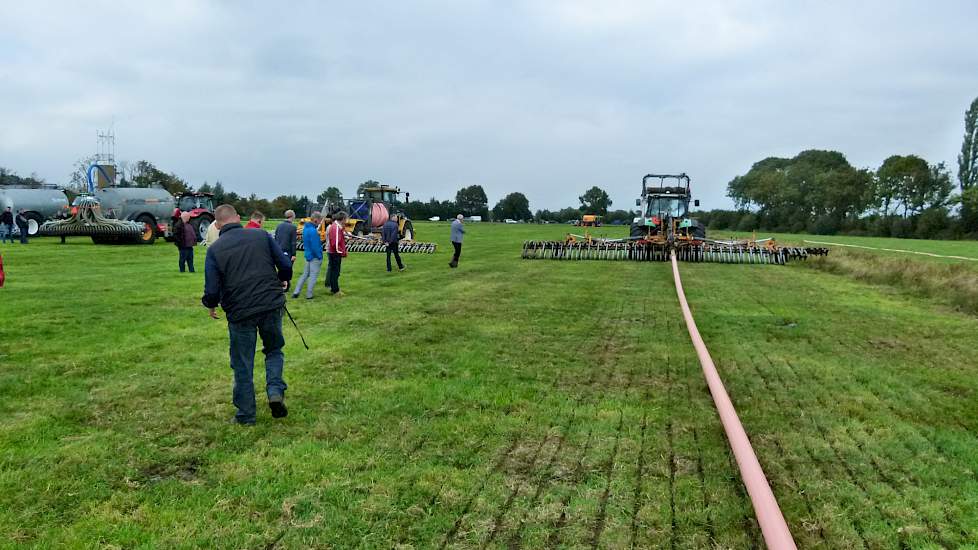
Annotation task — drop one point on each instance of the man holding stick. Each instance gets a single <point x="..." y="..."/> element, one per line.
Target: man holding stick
<point x="246" y="273"/>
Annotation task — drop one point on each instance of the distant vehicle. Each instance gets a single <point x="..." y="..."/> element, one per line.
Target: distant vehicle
<point x="150" y="206"/>
<point x="41" y="204"/>
<point x="507" y="220"/>
<point x="474" y="219"/>
<point x="434" y="219"/>
<point x="590" y="220"/>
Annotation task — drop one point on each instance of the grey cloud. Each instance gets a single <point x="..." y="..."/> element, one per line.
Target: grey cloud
<point x="542" y="97"/>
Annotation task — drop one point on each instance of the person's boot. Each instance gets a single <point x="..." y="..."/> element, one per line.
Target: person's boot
<point x="277" y="404"/>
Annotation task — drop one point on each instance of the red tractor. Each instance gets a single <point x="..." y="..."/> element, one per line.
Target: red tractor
<point x="201" y="208"/>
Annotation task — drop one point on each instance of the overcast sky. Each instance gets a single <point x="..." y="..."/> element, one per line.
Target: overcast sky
<point x="543" y="97"/>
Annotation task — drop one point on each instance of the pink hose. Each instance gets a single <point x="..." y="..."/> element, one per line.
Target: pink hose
<point x="769" y="516"/>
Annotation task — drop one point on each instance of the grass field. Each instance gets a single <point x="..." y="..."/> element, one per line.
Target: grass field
<point x="506" y="403"/>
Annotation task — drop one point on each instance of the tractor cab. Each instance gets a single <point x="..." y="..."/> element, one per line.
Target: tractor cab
<point x="664" y="209"/>
<point x="191" y="202"/>
<point x="382" y="193"/>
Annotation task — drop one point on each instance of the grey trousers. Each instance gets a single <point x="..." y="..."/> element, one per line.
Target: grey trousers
<point x="310" y="273"/>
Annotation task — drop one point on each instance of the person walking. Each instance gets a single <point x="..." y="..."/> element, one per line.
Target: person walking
<point x="22" y="224"/>
<point x="247" y="274"/>
<point x="312" y="248"/>
<point x="285" y="235"/>
<point x="391" y="237"/>
<point x="7" y="225"/>
<point x="256" y="221"/>
<point x="458" y="231"/>
<point x="185" y="237"/>
<point x="211" y="235"/>
<point x="335" y="252"/>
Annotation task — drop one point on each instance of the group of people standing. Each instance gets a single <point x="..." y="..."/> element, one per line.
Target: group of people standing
<point x="312" y="247"/>
<point x="248" y="273"/>
<point x="7" y="222"/>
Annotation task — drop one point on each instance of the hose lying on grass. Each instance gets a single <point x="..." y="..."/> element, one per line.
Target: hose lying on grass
<point x="766" y="509"/>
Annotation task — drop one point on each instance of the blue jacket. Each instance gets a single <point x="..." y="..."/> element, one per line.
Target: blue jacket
<point x="389" y="232"/>
<point x="311" y="243"/>
<point x="243" y="272"/>
<point x="458" y="230"/>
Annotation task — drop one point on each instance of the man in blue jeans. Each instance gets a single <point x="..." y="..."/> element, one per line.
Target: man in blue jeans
<point x="246" y="273"/>
<point x="312" y="248"/>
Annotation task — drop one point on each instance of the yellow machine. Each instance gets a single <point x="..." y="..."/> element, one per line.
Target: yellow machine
<point x="590" y="220"/>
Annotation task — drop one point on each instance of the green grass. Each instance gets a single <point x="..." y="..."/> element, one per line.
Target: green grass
<point x="504" y="403"/>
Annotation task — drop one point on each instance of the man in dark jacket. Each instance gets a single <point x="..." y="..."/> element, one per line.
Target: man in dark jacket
<point x="247" y="273"/>
<point x="285" y="234"/>
<point x="185" y="237"/>
<point x="22" y="224"/>
<point x="391" y="237"/>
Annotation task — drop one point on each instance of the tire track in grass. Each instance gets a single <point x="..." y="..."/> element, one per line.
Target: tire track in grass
<point x="516" y="539"/>
<point x="672" y="458"/>
<point x="886" y="479"/>
<point x="554" y="539"/>
<point x="790" y="465"/>
<point x="938" y="534"/>
<point x="796" y="421"/>
<point x="880" y="470"/>
<point x="606" y="364"/>
<point x="919" y="483"/>
<point x="501" y="513"/>
<point x="855" y="480"/>
<point x="603" y="503"/>
<point x="450" y="536"/>
<point x="711" y="535"/>
<point x="639" y="476"/>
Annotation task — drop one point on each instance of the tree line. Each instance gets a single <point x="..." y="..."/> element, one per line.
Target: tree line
<point x="821" y="192"/>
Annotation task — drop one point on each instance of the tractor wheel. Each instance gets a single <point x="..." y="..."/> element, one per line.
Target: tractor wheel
<point x="637" y="231"/>
<point x="201" y="224"/>
<point x="408" y="231"/>
<point x="148" y="236"/>
<point x="360" y="228"/>
<point x="698" y="231"/>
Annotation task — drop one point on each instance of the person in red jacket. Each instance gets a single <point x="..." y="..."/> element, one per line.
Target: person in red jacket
<point x="335" y="252"/>
<point x="256" y="221"/>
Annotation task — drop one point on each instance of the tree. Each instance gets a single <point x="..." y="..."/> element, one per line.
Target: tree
<point x="145" y="174"/>
<point x="969" y="209"/>
<point x="913" y="184"/>
<point x="792" y="193"/>
<point x="968" y="159"/>
<point x="595" y="201"/>
<point x="331" y="195"/>
<point x="78" y="179"/>
<point x="366" y="184"/>
<point x="472" y="201"/>
<point x="513" y="206"/>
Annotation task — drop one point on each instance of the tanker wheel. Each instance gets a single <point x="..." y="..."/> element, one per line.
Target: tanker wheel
<point x="34" y="221"/>
<point x="360" y="229"/>
<point x="148" y="236"/>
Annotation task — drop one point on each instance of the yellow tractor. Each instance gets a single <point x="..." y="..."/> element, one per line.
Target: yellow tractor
<point x="367" y="214"/>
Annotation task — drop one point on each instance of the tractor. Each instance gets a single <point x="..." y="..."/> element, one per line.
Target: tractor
<point x="367" y="215"/>
<point x="201" y="208"/>
<point x="662" y="229"/>
<point x="664" y="210"/>
<point x="371" y="210"/>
